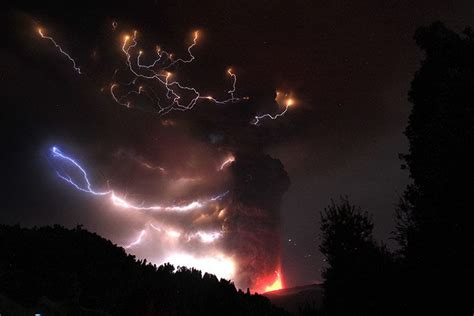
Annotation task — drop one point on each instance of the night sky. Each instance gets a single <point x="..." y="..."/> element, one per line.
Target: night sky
<point x="347" y="64"/>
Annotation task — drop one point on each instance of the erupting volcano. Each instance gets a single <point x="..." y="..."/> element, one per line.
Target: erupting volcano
<point x="232" y="234"/>
<point x="186" y="188"/>
<point x="269" y="283"/>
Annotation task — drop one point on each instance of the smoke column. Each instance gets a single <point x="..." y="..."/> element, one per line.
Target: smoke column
<point x="259" y="183"/>
<point x="195" y="190"/>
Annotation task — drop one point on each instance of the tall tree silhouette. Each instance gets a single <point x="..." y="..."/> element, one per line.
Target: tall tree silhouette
<point x="358" y="278"/>
<point x="436" y="216"/>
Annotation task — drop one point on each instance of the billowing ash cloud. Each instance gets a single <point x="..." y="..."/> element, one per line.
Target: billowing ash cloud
<point x="253" y="223"/>
<point x="234" y="236"/>
<point x="193" y="188"/>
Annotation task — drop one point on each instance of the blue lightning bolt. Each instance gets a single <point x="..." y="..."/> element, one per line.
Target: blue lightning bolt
<point x="56" y="153"/>
<point x="122" y="202"/>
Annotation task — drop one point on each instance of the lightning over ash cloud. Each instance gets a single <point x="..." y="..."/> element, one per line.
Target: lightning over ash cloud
<point x="219" y="197"/>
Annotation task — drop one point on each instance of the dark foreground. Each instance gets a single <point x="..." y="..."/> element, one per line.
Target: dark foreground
<point x="58" y="271"/>
<point x="301" y="300"/>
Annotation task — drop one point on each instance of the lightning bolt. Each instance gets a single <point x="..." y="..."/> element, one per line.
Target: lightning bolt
<point x="137" y="241"/>
<point x="206" y="237"/>
<point x="153" y="78"/>
<point x="288" y="103"/>
<point x="201" y="235"/>
<point x="216" y="263"/>
<point x="177" y="96"/>
<point x="157" y="72"/>
<point x="227" y="162"/>
<point x="56" y="153"/>
<point x="76" y="68"/>
<point x="85" y="186"/>
<point x="191" y="56"/>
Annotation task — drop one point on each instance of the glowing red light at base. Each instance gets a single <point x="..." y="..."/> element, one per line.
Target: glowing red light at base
<point x="269" y="283"/>
<point x="277" y="285"/>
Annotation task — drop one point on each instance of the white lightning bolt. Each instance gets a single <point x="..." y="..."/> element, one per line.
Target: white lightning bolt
<point x="76" y="68"/>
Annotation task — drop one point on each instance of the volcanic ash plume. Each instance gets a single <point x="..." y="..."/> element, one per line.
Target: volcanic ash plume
<point x="253" y="222"/>
<point x="170" y="196"/>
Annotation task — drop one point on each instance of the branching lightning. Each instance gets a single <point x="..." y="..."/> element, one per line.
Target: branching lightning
<point x="216" y="263"/>
<point x="158" y="72"/>
<point x="115" y="199"/>
<point x="193" y="231"/>
<point x="287" y="104"/>
<point x="177" y="96"/>
<point x="191" y="56"/>
<point x="76" y="68"/>
<point x="202" y="236"/>
<point x="56" y="153"/>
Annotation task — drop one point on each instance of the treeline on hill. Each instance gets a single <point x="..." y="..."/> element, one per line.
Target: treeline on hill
<point x="59" y="271"/>
<point x="432" y="272"/>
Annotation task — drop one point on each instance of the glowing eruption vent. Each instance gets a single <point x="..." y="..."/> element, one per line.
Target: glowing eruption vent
<point x="268" y="283"/>
<point x="152" y="78"/>
<point x="276" y="285"/>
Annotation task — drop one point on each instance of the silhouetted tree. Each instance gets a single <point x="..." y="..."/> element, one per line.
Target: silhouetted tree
<point x="359" y="276"/>
<point x="57" y="271"/>
<point x="436" y="216"/>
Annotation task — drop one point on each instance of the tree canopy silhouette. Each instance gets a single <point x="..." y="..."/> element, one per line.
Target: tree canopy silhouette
<point x="358" y="280"/>
<point x="59" y="271"/>
<point x="436" y="216"/>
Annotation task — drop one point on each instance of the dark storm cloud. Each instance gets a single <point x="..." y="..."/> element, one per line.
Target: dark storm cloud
<point x="253" y="223"/>
<point x="259" y="181"/>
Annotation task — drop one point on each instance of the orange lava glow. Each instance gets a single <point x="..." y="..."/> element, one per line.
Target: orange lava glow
<point x="276" y="285"/>
<point x="269" y="283"/>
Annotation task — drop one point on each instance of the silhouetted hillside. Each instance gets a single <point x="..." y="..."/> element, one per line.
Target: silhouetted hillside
<point x="58" y="271"/>
<point x="298" y="300"/>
